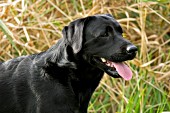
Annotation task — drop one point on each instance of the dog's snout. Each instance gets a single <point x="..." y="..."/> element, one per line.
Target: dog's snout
<point x="131" y="49"/>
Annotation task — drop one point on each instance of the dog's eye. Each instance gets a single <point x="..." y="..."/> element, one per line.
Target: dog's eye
<point x="105" y="34"/>
<point x="108" y="29"/>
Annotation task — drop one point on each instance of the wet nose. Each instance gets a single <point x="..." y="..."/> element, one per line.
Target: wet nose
<point x="131" y="49"/>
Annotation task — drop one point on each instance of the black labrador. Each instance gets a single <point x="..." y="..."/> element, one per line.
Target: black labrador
<point x="63" y="78"/>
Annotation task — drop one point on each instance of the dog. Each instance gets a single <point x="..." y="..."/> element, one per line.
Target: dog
<point x="63" y="78"/>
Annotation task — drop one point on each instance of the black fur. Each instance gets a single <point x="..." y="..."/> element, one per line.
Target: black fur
<point x="63" y="78"/>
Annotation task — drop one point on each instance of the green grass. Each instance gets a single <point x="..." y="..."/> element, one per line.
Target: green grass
<point x="28" y="27"/>
<point x="138" y="96"/>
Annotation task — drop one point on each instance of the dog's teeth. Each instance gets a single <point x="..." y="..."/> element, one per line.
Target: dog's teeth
<point x="108" y="65"/>
<point x="103" y="60"/>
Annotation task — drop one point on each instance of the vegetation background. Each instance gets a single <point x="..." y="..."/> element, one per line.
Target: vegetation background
<point x="32" y="26"/>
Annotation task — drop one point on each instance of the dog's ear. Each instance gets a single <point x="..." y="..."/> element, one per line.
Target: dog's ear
<point x="73" y="33"/>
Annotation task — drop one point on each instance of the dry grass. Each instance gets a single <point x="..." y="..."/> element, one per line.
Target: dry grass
<point x="32" y="26"/>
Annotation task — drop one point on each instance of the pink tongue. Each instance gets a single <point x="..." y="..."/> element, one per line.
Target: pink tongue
<point x="123" y="70"/>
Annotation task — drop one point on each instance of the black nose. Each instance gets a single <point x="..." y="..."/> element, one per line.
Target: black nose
<point x="131" y="49"/>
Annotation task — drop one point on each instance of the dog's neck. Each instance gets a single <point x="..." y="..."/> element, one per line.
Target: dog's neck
<point x="83" y="78"/>
<point x="82" y="81"/>
<point x="84" y="87"/>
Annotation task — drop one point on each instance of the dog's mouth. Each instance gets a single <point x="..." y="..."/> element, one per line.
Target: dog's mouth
<point x="114" y="69"/>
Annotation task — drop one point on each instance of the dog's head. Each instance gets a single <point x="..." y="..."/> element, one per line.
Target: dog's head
<point x="99" y="39"/>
